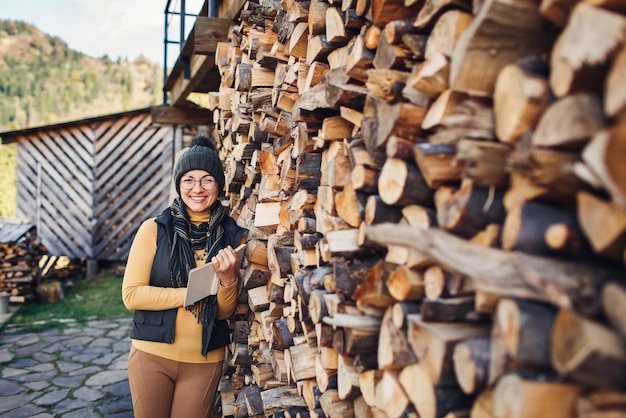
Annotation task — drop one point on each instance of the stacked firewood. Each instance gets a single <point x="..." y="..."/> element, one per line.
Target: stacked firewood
<point x="19" y="261"/>
<point x="436" y="196"/>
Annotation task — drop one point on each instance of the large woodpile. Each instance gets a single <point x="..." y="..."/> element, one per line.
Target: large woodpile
<point x="437" y="197"/>
<point x="20" y="252"/>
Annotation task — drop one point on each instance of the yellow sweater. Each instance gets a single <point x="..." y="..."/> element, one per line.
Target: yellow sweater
<point x="137" y="294"/>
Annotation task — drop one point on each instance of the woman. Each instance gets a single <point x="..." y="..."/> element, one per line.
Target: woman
<point x="176" y="357"/>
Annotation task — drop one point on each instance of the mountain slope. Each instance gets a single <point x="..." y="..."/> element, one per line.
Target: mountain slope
<point x="43" y="82"/>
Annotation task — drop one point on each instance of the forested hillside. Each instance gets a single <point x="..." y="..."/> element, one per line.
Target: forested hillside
<point x="43" y="82"/>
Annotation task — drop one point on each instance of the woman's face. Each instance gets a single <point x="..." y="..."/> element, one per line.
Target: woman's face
<point x="198" y="191"/>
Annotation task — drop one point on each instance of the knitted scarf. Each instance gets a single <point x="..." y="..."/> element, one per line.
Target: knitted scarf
<point x="188" y="237"/>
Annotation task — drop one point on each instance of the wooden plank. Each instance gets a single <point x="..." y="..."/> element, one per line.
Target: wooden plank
<point x="207" y="32"/>
<point x="181" y="115"/>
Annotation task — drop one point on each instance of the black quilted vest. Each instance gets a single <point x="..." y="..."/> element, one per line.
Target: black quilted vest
<point x="158" y="326"/>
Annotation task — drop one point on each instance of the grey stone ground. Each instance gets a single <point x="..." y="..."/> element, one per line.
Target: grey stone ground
<point x="77" y="372"/>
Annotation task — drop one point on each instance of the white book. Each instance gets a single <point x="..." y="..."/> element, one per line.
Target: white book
<point x="203" y="280"/>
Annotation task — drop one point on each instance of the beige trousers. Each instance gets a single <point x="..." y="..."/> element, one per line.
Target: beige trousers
<point x="162" y="388"/>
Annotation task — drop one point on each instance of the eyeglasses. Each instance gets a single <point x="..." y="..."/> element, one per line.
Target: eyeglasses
<point x="188" y="183"/>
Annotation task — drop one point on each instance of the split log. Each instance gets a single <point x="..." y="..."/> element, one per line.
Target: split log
<point x="602" y="157"/>
<point x="432" y="9"/>
<point x="516" y="397"/>
<point x="281" y="336"/>
<point x="394" y="351"/>
<point x="544" y="229"/>
<point x="405" y="283"/>
<point x="474" y="68"/>
<point x="568" y="284"/>
<point x="359" y="60"/>
<point x="483" y="405"/>
<point x="401" y="310"/>
<point x="431" y="401"/>
<point x="317" y="18"/>
<point x="391" y="56"/>
<point x="395" y="29"/>
<point x="431" y="76"/>
<point x="416" y="43"/>
<point x="471" y="364"/>
<point x="336" y="31"/>
<point x="386" y="83"/>
<point x="281" y="397"/>
<point x="373" y="290"/>
<point x="588" y="351"/>
<point x="521" y="95"/>
<point x="614" y="98"/>
<point x="401" y="183"/>
<point x="350" y="205"/>
<point x="483" y="162"/>
<point x="385" y="11"/>
<point x="570" y="122"/>
<point x="444" y="105"/>
<point x="368" y="380"/>
<point x="420" y="216"/>
<point x="334" y="406"/>
<point x="468" y="210"/>
<point x="433" y="344"/>
<point x="253" y="400"/>
<point x="402" y="119"/>
<point x="347" y="378"/>
<point x="447" y="33"/>
<point x="437" y="163"/>
<point x="601" y="404"/>
<point x="390" y="396"/>
<point x="377" y="211"/>
<point x="613" y="304"/>
<point x="325" y="377"/>
<point x="457" y="309"/>
<point x="443" y="283"/>
<point x="541" y="173"/>
<point x="402" y="148"/>
<point x="300" y="361"/>
<point x="576" y="64"/>
<point x="520" y="337"/>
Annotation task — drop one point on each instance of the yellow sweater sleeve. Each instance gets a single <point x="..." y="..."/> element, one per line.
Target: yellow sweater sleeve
<point x="136" y="290"/>
<point x="137" y="294"/>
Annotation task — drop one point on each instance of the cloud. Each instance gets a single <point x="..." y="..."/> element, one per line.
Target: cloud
<point x="117" y="28"/>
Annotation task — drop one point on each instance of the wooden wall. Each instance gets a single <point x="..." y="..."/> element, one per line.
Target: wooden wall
<point x="88" y="185"/>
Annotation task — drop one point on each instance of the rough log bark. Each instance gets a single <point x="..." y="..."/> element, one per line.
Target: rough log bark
<point x="568" y="284"/>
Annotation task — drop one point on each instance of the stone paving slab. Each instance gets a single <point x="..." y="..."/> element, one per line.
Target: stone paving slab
<point x="79" y="371"/>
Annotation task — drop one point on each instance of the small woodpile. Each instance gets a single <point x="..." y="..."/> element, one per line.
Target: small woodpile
<point x="20" y="252"/>
<point x="437" y="197"/>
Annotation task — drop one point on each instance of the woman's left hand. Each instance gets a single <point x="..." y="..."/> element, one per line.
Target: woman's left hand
<point x="226" y="266"/>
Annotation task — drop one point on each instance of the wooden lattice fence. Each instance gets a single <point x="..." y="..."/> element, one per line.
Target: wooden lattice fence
<point x="89" y="184"/>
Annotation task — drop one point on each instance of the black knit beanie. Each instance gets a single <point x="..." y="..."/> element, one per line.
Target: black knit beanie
<point x="201" y="155"/>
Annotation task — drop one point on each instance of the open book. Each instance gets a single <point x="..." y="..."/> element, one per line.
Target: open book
<point x="204" y="282"/>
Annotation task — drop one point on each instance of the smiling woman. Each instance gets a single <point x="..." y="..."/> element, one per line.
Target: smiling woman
<point x="167" y="335"/>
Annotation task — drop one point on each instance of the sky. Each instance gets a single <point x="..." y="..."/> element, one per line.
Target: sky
<point x="117" y="28"/>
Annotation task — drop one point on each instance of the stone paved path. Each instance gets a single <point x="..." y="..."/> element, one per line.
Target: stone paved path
<point x="77" y="372"/>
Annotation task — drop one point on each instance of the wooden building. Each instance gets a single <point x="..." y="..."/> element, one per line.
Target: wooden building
<point x="86" y="185"/>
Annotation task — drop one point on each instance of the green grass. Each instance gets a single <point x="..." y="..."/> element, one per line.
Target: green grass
<point x="98" y="298"/>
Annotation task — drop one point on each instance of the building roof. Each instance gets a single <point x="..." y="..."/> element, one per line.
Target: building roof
<point x="12" y="231"/>
<point x="11" y="136"/>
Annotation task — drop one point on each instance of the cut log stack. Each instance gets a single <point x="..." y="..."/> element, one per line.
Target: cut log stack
<point x="436" y="196"/>
<point x="20" y="252"/>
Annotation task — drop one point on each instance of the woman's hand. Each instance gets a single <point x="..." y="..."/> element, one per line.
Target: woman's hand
<point x="226" y="266"/>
